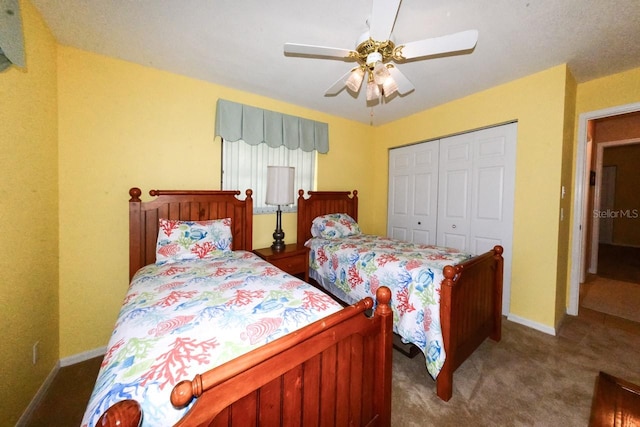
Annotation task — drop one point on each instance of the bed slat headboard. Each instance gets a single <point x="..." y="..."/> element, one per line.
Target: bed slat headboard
<point x="184" y="205"/>
<point x="322" y="203"/>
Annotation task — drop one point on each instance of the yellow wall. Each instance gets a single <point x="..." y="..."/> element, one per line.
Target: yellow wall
<point x="607" y="92"/>
<point x="124" y="125"/>
<point x="537" y="102"/>
<point x="29" y="225"/>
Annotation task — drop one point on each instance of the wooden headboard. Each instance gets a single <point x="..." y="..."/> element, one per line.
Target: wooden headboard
<point x="322" y="203"/>
<point x="184" y="205"/>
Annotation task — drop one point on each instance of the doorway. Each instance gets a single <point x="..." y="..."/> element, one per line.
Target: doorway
<point x="592" y="217"/>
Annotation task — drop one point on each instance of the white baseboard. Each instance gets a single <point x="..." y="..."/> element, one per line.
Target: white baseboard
<point x="533" y="325"/>
<point x="26" y="415"/>
<point x="81" y="357"/>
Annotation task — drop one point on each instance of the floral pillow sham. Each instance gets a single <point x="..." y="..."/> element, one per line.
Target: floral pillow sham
<point x="334" y="226"/>
<point x="189" y="240"/>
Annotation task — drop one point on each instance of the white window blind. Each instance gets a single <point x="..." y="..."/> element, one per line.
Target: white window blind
<point x="245" y="166"/>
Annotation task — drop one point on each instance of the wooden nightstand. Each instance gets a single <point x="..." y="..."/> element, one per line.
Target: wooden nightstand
<point x="293" y="259"/>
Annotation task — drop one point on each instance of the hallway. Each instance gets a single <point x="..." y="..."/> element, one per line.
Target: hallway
<point x="615" y="290"/>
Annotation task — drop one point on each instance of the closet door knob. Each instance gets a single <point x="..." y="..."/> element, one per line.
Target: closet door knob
<point x="453" y="226"/>
<point x="419" y="223"/>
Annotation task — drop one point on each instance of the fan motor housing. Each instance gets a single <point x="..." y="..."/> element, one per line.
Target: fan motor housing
<point x="367" y="45"/>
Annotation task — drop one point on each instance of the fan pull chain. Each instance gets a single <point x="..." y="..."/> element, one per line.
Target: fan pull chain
<point x="371" y="117"/>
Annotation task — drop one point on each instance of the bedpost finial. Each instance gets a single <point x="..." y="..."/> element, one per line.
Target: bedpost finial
<point x="135" y="194"/>
<point x="249" y="193"/>
<point x="450" y="273"/>
<point x="301" y="193"/>
<point x="498" y="249"/>
<point x="186" y="390"/>
<point x="355" y="193"/>
<point x="383" y="296"/>
<point x="126" y="413"/>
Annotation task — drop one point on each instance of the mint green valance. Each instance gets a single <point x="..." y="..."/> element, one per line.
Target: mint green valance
<point x="253" y="125"/>
<point x="11" y="39"/>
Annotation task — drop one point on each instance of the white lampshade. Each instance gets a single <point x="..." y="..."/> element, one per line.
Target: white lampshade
<point x="373" y="91"/>
<point x="280" y="182"/>
<point x="389" y="87"/>
<point x="380" y="73"/>
<point x="355" y="79"/>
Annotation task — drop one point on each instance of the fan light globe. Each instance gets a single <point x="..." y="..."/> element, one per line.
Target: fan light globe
<point x="355" y="79"/>
<point x="389" y="87"/>
<point x="380" y="73"/>
<point x="373" y="91"/>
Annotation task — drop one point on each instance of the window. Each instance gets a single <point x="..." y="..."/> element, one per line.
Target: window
<point x="254" y="138"/>
<point x="245" y="166"/>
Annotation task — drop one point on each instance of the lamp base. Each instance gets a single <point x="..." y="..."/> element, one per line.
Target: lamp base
<point x="278" y="235"/>
<point x="278" y="246"/>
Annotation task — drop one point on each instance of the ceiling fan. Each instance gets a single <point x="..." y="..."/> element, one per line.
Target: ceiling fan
<point x="377" y="54"/>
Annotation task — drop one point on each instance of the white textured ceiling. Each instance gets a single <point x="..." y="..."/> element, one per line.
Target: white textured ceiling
<point x="239" y="43"/>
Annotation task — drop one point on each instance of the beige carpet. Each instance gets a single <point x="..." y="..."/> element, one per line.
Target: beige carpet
<point x="614" y="297"/>
<point x="529" y="379"/>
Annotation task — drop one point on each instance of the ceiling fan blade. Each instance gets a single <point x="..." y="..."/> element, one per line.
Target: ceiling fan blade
<point x="383" y="16"/>
<point x="464" y="40"/>
<point x="404" y="85"/>
<point x="312" y="50"/>
<point x="338" y="85"/>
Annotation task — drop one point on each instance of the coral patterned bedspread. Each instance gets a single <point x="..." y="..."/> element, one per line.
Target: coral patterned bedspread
<point x="354" y="267"/>
<point x="184" y="318"/>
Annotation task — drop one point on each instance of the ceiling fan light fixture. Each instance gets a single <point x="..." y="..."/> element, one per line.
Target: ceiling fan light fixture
<point x="373" y="90"/>
<point x="354" y="81"/>
<point x="376" y="53"/>
<point x="389" y="87"/>
<point x="380" y="73"/>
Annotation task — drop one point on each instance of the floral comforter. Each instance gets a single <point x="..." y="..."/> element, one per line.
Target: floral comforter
<point x="180" y="319"/>
<point x="354" y="267"/>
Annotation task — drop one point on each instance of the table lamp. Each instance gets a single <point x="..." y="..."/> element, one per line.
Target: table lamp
<point x="280" y="182"/>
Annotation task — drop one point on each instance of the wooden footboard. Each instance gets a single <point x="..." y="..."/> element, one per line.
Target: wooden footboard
<point x="470" y="311"/>
<point x="471" y="295"/>
<point x="336" y="371"/>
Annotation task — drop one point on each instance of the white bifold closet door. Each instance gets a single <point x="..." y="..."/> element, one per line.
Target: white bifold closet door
<point x="413" y="193"/>
<point x="456" y="192"/>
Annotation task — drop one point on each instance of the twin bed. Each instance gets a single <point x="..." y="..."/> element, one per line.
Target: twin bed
<point x="209" y="334"/>
<point x="444" y="301"/>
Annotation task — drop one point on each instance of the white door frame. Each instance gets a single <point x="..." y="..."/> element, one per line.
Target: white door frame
<point x="580" y="211"/>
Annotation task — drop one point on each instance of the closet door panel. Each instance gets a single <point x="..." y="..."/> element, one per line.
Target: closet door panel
<point x="413" y="187"/>
<point x="399" y="206"/>
<point x="454" y="206"/>
<point x="492" y="201"/>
